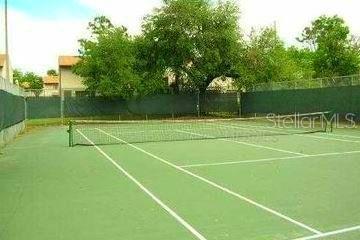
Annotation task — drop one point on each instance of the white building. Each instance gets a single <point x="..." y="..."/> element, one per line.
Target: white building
<point x="3" y="66"/>
<point x="222" y="84"/>
<point x="71" y="85"/>
<point x="51" y="86"/>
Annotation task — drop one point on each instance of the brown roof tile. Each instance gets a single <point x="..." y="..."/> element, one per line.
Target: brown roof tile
<point x="51" y="80"/>
<point x="25" y="85"/>
<point x="68" y="61"/>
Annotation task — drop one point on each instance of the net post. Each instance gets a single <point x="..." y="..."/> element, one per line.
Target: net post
<point x="71" y="134"/>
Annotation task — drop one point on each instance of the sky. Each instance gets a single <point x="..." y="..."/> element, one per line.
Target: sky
<point x="40" y="31"/>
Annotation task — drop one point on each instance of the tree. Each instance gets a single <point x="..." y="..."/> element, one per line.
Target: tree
<point x="335" y="51"/>
<point x="304" y="60"/>
<point x="17" y="76"/>
<point x="266" y="59"/>
<point x="108" y="60"/>
<point x="52" y="72"/>
<point x="34" y="81"/>
<point x="152" y="73"/>
<point x="28" y="80"/>
<point x="194" y="41"/>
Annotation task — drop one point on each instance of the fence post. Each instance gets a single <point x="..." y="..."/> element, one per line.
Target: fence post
<point x="62" y="107"/>
<point x="239" y="102"/>
<point x="198" y="103"/>
<point x="26" y="107"/>
<point x="173" y="104"/>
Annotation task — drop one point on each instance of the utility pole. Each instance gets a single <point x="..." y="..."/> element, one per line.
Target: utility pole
<point x="7" y="43"/>
<point x="275" y="26"/>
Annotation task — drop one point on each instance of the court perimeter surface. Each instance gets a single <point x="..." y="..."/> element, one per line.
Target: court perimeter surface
<point x="276" y="187"/>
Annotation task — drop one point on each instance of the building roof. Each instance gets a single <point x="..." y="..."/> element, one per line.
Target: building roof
<point x="25" y="85"/>
<point x="2" y="60"/>
<point x="68" y="61"/>
<point x="222" y="84"/>
<point x="51" y="80"/>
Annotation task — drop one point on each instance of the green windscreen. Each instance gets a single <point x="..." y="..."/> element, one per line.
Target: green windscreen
<point x="340" y="100"/>
<point x="216" y="102"/>
<point x="43" y="107"/>
<point x="171" y="105"/>
<point x="12" y="109"/>
<point x="148" y="105"/>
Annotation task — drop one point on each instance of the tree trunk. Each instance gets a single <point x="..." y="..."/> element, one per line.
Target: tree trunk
<point x="206" y="84"/>
<point x="175" y="86"/>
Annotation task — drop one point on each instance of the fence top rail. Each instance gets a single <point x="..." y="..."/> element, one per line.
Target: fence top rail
<point x="9" y="87"/>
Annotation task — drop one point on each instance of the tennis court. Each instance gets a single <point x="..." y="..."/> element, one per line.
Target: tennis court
<point x="211" y="179"/>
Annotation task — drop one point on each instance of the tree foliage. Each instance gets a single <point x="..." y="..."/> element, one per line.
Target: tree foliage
<point x="186" y="44"/>
<point x="304" y="59"/>
<point x="52" y="72"/>
<point x="17" y="76"/>
<point x="335" y="51"/>
<point x="266" y="59"/>
<point x="108" y="60"/>
<point x="194" y="41"/>
<point x="28" y="80"/>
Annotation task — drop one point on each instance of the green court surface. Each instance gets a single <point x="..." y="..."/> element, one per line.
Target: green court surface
<point x="288" y="187"/>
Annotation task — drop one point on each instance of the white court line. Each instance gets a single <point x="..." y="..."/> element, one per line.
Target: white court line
<point x="148" y="192"/>
<point x="343" y="135"/>
<point x="244" y="143"/>
<point x="135" y="132"/>
<point x="330" y="139"/>
<point x="224" y="189"/>
<point x="268" y="159"/>
<point x="297" y="133"/>
<point x="328" y="234"/>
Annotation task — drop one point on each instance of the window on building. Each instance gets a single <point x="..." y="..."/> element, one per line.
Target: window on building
<point x="80" y="93"/>
<point x="67" y="93"/>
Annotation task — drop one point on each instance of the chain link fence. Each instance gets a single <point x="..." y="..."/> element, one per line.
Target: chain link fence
<point x="343" y="81"/>
<point x="41" y="92"/>
<point x="10" y="88"/>
<point x="193" y="104"/>
<point x="303" y="96"/>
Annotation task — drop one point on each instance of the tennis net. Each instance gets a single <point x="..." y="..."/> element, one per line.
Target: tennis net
<point x="90" y="132"/>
